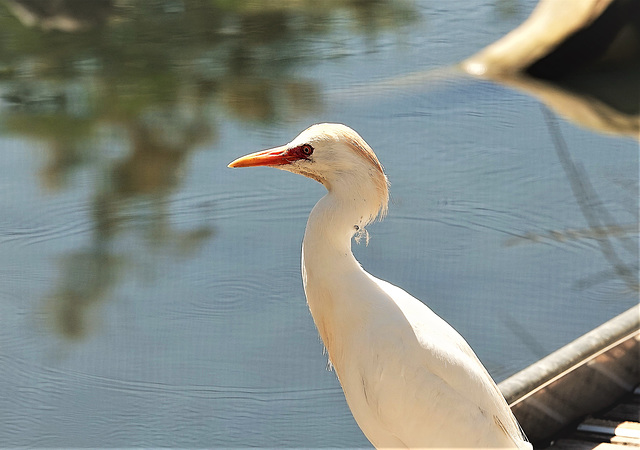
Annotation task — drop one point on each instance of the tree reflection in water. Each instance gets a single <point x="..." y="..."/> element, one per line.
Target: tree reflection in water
<point x="150" y="79"/>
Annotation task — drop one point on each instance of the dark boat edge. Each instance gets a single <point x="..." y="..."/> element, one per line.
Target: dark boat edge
<point x="583" y="377"/>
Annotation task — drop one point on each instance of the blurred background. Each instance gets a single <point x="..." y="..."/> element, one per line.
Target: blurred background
<point x="150" y="296"/>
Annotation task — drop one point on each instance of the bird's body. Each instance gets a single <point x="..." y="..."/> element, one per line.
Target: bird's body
<point x="409" y="378"/>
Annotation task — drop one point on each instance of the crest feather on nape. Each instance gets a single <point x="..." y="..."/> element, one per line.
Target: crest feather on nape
<point x="360" y="146"/>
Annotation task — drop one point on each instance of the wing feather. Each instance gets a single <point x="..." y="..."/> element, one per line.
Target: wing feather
<point x="433" y="365"/>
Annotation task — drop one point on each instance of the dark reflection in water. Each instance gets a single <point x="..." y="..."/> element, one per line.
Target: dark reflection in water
<point x="612" y="109"/>
<point x="85" y="279"/>
<point x="615" y="241"/>
<point x="602" y="100"/>
<point x="66" y="15"/>
<point x="150" y="78"/>
<point x="599" y="219"/>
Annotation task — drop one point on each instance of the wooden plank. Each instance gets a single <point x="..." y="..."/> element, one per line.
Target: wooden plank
<point x="617" y="426"/>
<point x="575" y="444"/>
<point x="625" y="440"/>
<point x="629" y="410"/>
<point x="600" y="438"/>
<point x="611" y="427"/>
<point x="584" y="377"/>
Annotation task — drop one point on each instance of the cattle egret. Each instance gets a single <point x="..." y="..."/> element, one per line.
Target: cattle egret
<point x="409" y="378"/>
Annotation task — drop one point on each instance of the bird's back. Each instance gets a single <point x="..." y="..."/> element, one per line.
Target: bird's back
<point x="449" y="397"/>
<point x="409" y="378"/>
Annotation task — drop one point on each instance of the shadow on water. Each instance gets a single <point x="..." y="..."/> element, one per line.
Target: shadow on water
<point x="602" y="227"/>
<point x="580" y="98"/>
<point x="610" y="236"/>
<point x="130" y="90"/>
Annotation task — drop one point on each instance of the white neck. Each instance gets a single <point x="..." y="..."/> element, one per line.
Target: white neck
<point x="330" y="271"/>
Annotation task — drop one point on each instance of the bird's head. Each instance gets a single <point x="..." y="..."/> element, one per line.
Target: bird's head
<point x="336" y="156"/>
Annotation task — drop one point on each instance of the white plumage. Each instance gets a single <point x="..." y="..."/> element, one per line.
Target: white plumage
<point x="409" y="378"/>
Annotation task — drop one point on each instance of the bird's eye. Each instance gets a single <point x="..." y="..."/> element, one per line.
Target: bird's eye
<point x="306" y="149"/>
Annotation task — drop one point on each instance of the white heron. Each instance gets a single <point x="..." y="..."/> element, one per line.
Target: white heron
<point x="409" y="378"/>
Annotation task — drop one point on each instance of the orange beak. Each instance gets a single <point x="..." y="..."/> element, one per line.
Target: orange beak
<point x="277" y="156"/>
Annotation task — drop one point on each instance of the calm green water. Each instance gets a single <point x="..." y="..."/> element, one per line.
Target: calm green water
<point x="149" y="296"/>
